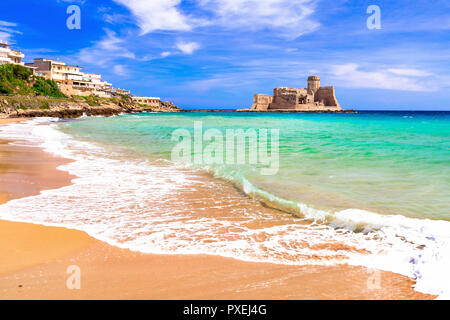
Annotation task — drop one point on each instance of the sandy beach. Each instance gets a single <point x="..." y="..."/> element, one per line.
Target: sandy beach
<point x="34" y="259"/>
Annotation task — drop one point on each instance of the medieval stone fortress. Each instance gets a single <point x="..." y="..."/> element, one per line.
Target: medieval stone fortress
<point x="312" y="98"/>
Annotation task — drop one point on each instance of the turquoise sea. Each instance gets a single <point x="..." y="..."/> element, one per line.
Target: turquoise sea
<point x="387" y="162"/>
<point x="369" y="188"/>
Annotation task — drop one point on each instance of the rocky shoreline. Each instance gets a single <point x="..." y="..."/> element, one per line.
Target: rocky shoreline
<point x="30" y="107"/>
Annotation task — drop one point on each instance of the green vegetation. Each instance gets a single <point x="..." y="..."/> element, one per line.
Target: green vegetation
<point x="45" y="105"/>
<point x="47" y="88"/>
<point x="30" y="102"/>
<point x="145" y="106"/>
<point x="21" y="90"/>
<point x="90" y="100"/>
<point x="14" y="79"/>
<point x="18" y="80"/>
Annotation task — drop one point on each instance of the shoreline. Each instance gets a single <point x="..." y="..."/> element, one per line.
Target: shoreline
<point x="17" y="106"/>
<point x="269" y="111"/>
<point x="109" y="111"/>
<point x="35" y="259"/>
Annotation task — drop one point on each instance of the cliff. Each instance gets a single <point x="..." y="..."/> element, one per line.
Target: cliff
<point x="29" y="106"/>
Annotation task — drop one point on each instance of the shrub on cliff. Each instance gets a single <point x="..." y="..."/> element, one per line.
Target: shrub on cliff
<point x="92" y="101"/>
<point x="18" y="80"/>
<point x="47" y="88"/>
<point x="14" y="79"/>
<point x="4" y="89"/>
<point x="13" y="71"/>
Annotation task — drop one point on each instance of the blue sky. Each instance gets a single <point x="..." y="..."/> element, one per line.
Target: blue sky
<point x="218" y="53"/>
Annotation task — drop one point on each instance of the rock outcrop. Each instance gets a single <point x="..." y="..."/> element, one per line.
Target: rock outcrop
<point x="23" y="106"/>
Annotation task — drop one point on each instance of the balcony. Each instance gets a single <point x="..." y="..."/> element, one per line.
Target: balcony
<point x="4" y="60"/>
<point x="16" y="54"/>
<point x="57" y="77"/>
<point x="74" y="77"/>
<point x="83" y="86"/>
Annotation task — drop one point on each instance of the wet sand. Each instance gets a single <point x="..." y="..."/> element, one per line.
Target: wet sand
<point x="34" y="259"/>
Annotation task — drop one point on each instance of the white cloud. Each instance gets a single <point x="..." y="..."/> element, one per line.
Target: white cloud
<point x="152" y="15"/>
<point x="409" y="72"/>
<point x="182" y="48"/>
<point x="166" y="54"/>
<point x="350" y="75"/>
<point x="6" y="30"/>
<point x="116" y="18"/>
<point x="106" y="50"/>
<point x="291" y="18"/>
<point x="120" y="70"/>
<point x="7" y="24"/>
<point x="187" y="47"/>
<point x="5" y="36"/>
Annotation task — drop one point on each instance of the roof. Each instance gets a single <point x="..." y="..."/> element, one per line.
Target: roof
<point x="57" y="62"/>
<point x="147" y="98"/>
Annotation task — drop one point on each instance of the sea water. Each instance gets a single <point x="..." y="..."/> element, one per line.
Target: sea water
<point x="370" y="188"/>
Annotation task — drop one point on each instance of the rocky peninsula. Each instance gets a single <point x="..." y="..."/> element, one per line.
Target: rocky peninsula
<point x="74" y="107"/>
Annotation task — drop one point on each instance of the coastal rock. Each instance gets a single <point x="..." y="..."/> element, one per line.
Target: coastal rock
<point x="25" y="106"/>
<point x="70" y="111"/>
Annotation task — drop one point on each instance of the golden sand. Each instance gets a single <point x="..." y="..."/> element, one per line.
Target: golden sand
<point x="34" y="259"/>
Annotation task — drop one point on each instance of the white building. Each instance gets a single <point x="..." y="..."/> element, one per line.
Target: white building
<point x="149" y="101"/>
<point x="10" y="56"/>
<point x="95" y="83"/>
<point x="71" y="80"/>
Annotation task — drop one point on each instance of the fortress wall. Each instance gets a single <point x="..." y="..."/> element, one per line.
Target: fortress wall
<point x="261" y="102"/>
<point x="313" y="98"/>
<point x="327" y="94"/>
<point x="284" y="98"/>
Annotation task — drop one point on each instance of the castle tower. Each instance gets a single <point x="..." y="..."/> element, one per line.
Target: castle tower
<point x="313" y="84"/>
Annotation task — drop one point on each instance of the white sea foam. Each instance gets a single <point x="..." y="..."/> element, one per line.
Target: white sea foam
<point x="134" y="204"/>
